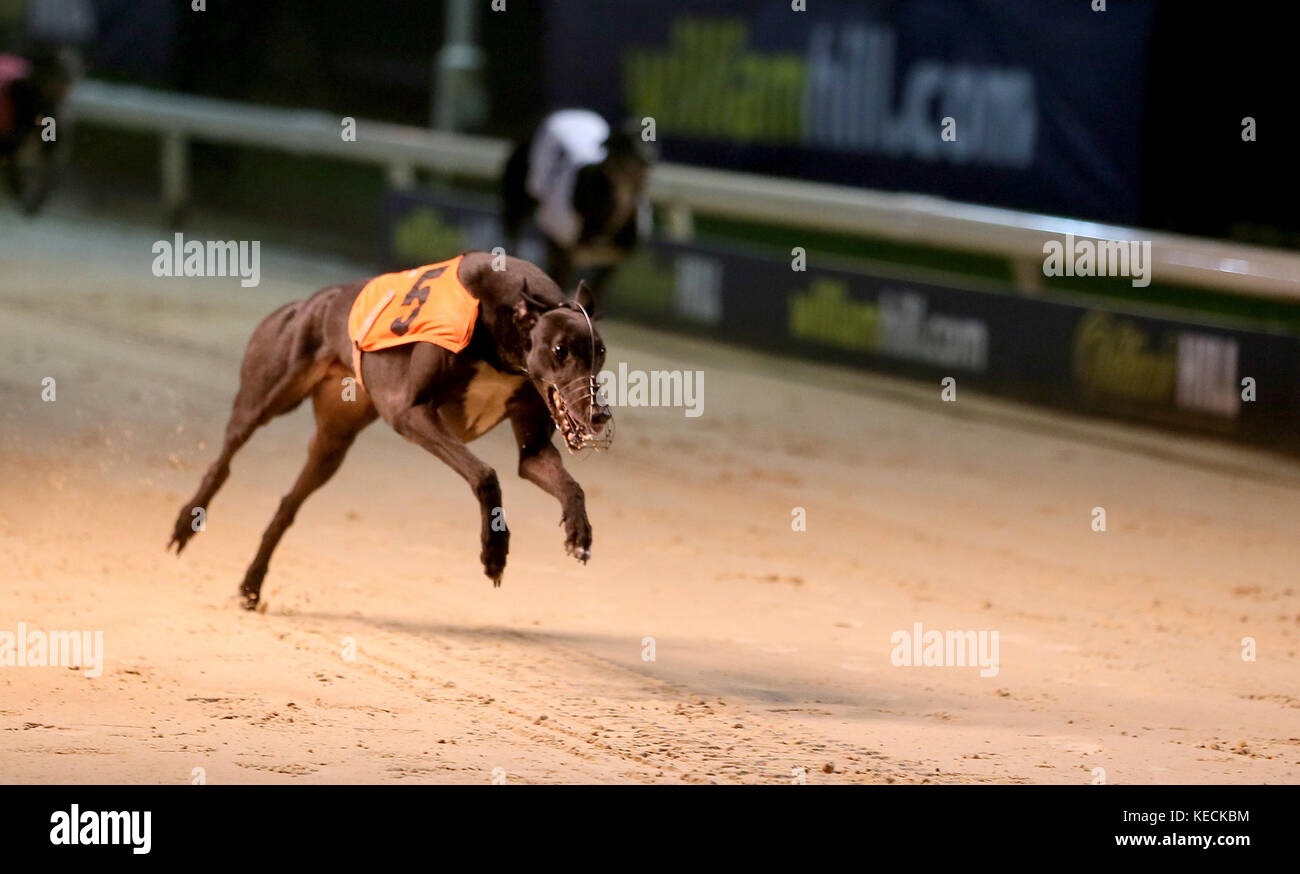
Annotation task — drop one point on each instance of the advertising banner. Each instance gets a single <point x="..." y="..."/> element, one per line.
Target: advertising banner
<point x="1028" y="104"/>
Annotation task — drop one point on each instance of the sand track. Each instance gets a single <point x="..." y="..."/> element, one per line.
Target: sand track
<point x="1119" y="651"/>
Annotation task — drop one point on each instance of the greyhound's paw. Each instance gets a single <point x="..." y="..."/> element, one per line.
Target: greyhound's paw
<point x="253" y="602"/>
<point x="493" y="556"/>
<point x="250" y="598"/>
<point x="181" y="533"/>
<point x="577" y="538"/>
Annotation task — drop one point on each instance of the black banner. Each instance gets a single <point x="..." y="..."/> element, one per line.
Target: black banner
<point x="603" y="827"/>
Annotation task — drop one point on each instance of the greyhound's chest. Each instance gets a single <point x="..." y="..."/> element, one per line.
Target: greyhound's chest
<point x="481" y="405"/>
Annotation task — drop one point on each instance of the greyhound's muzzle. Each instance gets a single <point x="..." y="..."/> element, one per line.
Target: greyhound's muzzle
<point x="595" y="430"/>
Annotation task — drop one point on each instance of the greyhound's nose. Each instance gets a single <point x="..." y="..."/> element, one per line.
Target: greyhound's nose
<point x="600" y="415"/>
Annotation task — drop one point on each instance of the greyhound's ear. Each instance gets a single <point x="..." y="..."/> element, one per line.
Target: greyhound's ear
<point x="584" y="297"/>
<point x="533" y="300"/>
<point x="525" y="315"/>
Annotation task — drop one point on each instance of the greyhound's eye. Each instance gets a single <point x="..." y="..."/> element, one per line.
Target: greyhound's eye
<point x="560" y="353"/>
<point x="600" y="350"/>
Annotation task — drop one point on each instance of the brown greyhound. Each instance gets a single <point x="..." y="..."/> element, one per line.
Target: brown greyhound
<point x="525" y="352"/>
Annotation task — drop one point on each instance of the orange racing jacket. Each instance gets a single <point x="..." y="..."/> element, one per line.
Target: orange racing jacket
<point x="426" y="304"/>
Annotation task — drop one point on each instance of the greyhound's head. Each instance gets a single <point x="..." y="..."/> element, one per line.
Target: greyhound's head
<point x="562" y="355"/>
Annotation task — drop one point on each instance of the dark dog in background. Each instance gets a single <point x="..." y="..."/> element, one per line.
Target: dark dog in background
<point x="32" y="89"/>
<point x="530" y="357"/>
<point x="583" y="182"/>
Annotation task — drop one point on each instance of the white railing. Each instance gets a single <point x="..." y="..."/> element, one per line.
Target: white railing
<point x="682" y="190"/>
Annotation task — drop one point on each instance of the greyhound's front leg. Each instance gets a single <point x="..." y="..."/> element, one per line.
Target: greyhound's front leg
<point x="540" y="463"/>
<point x="422" y="425"/>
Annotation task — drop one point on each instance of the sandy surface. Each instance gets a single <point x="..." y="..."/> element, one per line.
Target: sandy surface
<point x="1118" y="650"/>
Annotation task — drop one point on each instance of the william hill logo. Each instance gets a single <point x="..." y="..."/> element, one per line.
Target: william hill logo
<point x="826" y="315"/>
<point x="1115" y="357"/>
<point x="898" y="324"/>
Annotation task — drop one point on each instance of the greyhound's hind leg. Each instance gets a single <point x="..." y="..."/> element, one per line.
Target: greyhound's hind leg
<point x="338" y="421"/>
<point x="276" y="375"/>
<point x="252" y="409"/>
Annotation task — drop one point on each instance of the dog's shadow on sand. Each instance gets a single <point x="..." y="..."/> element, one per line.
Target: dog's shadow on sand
<point x="694" y="670"/>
